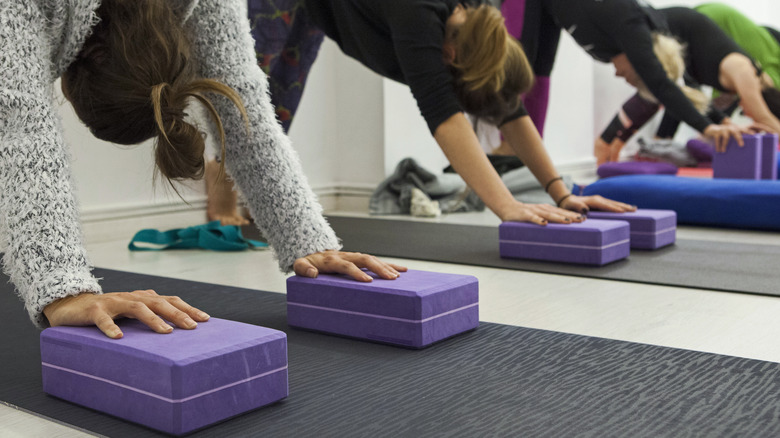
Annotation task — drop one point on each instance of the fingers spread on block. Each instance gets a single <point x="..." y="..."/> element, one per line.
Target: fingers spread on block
<point x="347" y="263"/>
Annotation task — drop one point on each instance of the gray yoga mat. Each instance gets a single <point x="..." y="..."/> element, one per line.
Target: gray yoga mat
<point x="498" y="380"/>
<point x="732" y="267"/>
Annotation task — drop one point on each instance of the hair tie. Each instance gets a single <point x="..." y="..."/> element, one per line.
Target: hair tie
<point x="549" y="183"/>
<point x="560" y="201"/>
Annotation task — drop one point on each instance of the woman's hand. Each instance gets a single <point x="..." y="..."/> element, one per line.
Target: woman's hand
<point x="586" y="203"/>
<point x="348" y="263"/>
<point x="720" y="135"/>
<point x="540" y="214"/>
<point x="143" y="305"/>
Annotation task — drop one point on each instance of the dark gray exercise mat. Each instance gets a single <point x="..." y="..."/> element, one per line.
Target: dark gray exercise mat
<point x="725" y="266"/>
<point x="496" y="381"/>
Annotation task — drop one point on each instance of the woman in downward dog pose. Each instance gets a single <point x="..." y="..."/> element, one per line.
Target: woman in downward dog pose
<point x="455" y="55"/>
<point x="617" y="31"/>
<point x="130" y="68"/>
<point x="708" y="56"/>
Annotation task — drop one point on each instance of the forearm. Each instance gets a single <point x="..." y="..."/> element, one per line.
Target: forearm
<point x="528" y="146"/>
<point x="44" y="254"/>
<point x="461" y="147"/>
<point x="753" y="104"/>
<point x="260" y="157"/>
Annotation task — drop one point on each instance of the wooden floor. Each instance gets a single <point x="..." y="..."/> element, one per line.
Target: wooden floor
<point x="696" y="319"/>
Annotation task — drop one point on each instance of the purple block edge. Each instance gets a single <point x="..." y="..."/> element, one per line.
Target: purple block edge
<point x="739" y="162"/>
<point x="769" y="156"/>
<point x="396" y="332"/>
<point x="391" y="298"/>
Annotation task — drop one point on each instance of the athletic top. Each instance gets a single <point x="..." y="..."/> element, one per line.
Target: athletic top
<point x="607" y="28"/>
<point x="755" y="40"/>
<point x="401" y="40"/>
<point x="706" y="44"/>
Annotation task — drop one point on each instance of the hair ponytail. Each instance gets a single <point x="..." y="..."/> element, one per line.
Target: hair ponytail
<point x="669" y="52"/>
<point x="481" y="49"/>
<point x="490" y="68"/>
<point x="134" y="79"/>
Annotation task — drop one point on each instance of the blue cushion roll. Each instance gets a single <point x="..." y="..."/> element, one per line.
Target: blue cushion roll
<point x="714" y="202"/>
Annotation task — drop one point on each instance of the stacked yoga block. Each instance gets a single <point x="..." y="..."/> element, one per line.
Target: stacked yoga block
<point x="649" y="229"/>
<point x="175" y="383"/>
<point x="414" y="310"/>
<point x="757" y="159"/>
<point x="603" y="238"/>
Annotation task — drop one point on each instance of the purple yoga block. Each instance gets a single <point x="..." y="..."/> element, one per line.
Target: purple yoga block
<point x="650" y="229"/>
<point x="769" y="156"/>
<point x="176" y="382"/>
<point x="701" y="150"/>
<point x="739" y="162"/>
<point x="607" y="170"/>
<point x="593" y="242"/>
<point x="414" y="310"/>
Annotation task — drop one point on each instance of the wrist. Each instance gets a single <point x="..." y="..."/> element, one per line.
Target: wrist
<point x="504" y="211"/>
<point x="563" y="198"/>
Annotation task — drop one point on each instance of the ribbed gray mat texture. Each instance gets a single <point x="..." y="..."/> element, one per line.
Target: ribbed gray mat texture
<point x="495" y="381"/>
<point x="732" y="267"/>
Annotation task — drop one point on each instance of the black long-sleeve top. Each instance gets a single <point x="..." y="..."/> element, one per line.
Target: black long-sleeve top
<point x="401" y="40"/>
<point x="605" y="29"/>
<point x="706" y="45"/>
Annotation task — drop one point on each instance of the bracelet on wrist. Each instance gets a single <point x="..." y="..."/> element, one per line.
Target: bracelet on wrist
<point x="560" y="201"/>
<point x="549" y="183"/>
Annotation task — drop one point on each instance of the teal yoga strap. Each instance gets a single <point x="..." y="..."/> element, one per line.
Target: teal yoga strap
<point x="211" y="236"/>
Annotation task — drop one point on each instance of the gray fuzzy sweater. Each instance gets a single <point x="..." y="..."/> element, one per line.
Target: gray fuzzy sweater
<point x="39" y="221"/>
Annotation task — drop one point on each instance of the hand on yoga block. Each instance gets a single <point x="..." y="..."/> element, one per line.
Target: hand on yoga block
<point x="593" y="242"/>
<point x="143" y="305"/>
<point x="740" y="160"/>
<point x="415" y="310"/>
<point x="650" y="229"/>
<point x="176" y="383"/>
<point x="348" y="263"/>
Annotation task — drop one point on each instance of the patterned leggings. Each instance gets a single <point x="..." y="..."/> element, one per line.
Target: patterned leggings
<point x="286" y="44"/>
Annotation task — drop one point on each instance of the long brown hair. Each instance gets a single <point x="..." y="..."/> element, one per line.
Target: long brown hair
<point x="133" y="79"/>
<point x="490" y="68"/>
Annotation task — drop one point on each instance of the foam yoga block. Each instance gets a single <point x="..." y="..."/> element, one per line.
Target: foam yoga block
<point x="607" y="170"/>
<point x="701" y="150"/>
<point x="175" y="383"/>
<point x="414" y="310"/>
<point x="769" y="156"/>
<point x="650" y="229"/>
<point x="739" y="162"/>
<point x="593" y="242"/>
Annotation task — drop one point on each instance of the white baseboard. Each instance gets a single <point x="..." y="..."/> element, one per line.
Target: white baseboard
<point x="121" y="221"/>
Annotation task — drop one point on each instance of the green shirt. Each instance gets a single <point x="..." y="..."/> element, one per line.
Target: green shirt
<point x="756" y="40"/>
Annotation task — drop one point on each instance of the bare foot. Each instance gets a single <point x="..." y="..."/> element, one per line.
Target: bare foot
<point x="222" y="204"/>
<point x="602" y="151"/>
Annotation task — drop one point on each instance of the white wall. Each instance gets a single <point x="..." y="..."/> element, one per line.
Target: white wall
<point x="353" y="127"/>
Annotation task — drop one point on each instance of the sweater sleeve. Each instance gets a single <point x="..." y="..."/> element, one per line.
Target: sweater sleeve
<point x="261" y="160"/>
<point x="39" y="223"/>
<point x="636" y="40"/>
